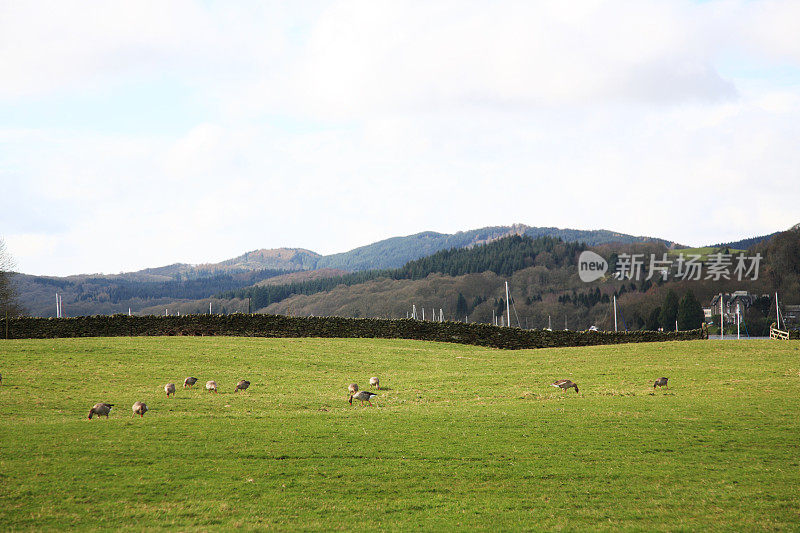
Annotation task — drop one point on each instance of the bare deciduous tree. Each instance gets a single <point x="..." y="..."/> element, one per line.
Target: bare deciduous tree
<point x="8" y="294"/>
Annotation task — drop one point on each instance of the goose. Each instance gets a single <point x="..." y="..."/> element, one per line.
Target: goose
<point x="660" y="382"/>
<point x="375" y="382"/>
<point x="169" y="388"/>
<point x="100" y="409"/>
<point x="242" y="385"/>
<point x="353" y="388"/>
<point x="363" y="396"/>
<point x="140" y="408"/>
<point x="565" y="384"/>
<point x="189" y="382"/>
<point x="211" y="385"/>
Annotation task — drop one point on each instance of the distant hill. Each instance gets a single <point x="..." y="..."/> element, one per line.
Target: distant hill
<point x="544" y="286"/>
<point x="141" y="290"/>
<point x="745" y="244"/>
<point x="287" y="259"/>
<point x="397" y="251"/>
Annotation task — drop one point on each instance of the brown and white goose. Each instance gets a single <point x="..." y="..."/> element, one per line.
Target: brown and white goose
<point x="565" y="384"/>
<point x="363" y="396"/>
<point x="211" y="385"/>
<point x="169" y="388"/>
<point x="660" y="382"/>
<point x="100" y="409"/>
<point x="242" y="385"/>
<point x="353" y="388"/>
<point x="140" y="408"/>
<point x="375" y="382"/>
<point x="189" y="382"/>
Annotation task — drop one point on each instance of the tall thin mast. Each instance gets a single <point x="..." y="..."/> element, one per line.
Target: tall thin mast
<point x="777" y="311"/>
<point x="738" y="320"/>
<point x="508" y="306"/>
<point x="615" y="312"/>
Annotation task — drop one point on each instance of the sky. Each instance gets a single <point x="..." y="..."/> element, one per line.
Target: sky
<point x="140" y="134"/>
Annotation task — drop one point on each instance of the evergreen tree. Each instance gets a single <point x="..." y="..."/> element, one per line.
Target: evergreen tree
<point x="690" y="312"/>
<point x="653" y="321"/>
<point x="669" y="311"/>
<point x="461" y="307"/>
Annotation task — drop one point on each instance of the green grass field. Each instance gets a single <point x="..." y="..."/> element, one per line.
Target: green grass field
<point x="464" y="437"/>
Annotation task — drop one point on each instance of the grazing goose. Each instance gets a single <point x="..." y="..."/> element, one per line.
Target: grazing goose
<point x="100" y="409"/>
<point x="189" y="382"/>
<point x="242" y="385"/>
<point x="169" y="388"/>
<point x="211" y="385"/>
<point x="660" y="382"/>
<point x="363" y="396"/>
<point x="375" y="382"/>
<point x="353" y="388"/>
<point x="565" y="384"/>
<point x="140" y="408"/>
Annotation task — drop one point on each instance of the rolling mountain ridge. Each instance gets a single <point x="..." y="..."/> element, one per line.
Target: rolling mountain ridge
<point x="151" y="288"/>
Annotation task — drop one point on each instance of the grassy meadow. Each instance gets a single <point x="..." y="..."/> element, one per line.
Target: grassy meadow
<point x="462" y="438"/>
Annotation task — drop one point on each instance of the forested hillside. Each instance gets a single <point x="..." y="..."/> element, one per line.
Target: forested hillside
<point x="503" y="257"/>
<point x="397" y="251"/>
<point x="238" y="284"/>
<point x="90" y="295"/>
<point x="105" y="294"/>
<point x="546" y="289"/>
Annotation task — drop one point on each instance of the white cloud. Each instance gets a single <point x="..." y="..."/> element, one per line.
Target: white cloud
<point x="340" y="124"/>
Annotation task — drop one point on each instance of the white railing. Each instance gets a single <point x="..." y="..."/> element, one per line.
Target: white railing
<point x="775" y="333"/>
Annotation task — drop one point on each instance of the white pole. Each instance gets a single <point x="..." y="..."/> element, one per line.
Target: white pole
<point x="549" y="324"/>
<point x="777" y="311"/>
<point x="209" y="308"/>
<point x="615" y="312"/>
<point x="508" y="306"/>
<point x="738" y="320"/>
<point x="721" y="317"/>
<point x="423" y="313"/>
<point x="676" y="326"/>
<point x="129" y="311"/>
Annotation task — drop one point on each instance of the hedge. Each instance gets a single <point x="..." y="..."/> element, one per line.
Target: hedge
<point x="261" y="325"/>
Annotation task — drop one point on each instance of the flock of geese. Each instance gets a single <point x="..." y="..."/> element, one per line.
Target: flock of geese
<point x="140" y="408"/>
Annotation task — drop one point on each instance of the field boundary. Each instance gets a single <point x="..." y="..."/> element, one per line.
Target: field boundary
<point x="263" y="325"/>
